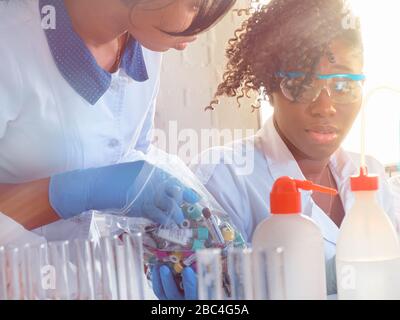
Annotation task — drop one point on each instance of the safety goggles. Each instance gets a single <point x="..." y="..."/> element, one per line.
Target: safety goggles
<point x="343" y="88"/>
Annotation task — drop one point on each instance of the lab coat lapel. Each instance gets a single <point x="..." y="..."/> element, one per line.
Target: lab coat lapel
<point x="342" y="168"/>
<point x="328" y="228"/>
<point x="280" y="160"/>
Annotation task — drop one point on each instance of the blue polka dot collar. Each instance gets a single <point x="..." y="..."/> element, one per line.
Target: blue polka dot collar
<point x="77" y="64"/>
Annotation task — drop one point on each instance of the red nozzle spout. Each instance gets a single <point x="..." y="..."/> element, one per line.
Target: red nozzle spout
<point x="364" y="181"/>
<point x="286" y="198"/>
<point x="309" y="185"/>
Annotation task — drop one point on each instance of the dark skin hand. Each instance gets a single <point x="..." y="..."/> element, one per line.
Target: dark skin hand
<point x="28" y="203"/>
<point x="301" y="126"/>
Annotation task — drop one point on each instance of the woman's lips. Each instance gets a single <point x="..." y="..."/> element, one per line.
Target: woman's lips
<point x="323" y="134"/>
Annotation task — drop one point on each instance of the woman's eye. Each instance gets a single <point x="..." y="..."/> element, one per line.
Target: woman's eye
<point x="342" y="86"/>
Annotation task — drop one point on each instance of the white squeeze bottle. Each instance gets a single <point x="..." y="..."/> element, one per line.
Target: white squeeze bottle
<point x="367" y="250"/>
<point x="293" y="243"/>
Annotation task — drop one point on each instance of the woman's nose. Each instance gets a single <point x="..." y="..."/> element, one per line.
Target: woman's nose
<point x="323" y="106"/>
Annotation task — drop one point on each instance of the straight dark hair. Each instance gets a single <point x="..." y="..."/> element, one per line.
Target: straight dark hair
<point x="209" y="13"/>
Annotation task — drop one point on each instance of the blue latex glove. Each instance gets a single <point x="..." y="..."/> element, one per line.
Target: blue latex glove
<point x="165" y="287"/>
<point x="139" y="188"/>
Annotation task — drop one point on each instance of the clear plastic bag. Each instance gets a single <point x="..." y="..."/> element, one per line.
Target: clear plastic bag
<point x="205" y="224"/>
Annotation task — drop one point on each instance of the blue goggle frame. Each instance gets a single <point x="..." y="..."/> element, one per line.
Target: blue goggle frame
<point x="295" y="74"/>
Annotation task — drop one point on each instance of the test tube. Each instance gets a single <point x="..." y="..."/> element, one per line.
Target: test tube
<point x="240" y="273"/>
<point x="97" y="269"/>
<point x="3" y="274"/>
<point x="42" y="273"/>
<point x="280" y="284"/>
<point x="133" y="245"/>
<point x="209" y="274"/>
<point x="213" y="226"/>
<point x="31" y="272"/>
<point x="14" y="274"/>
<point x="39" y="276"/>
<point x="83" y="250"/>
<point x="269" y="274"/>
<point x="189" y="259"/>
<point x="47" y="280"/>
<point x="108" y="270"/>
<point x="59" y="260"/>
<point x="120" y="268"/>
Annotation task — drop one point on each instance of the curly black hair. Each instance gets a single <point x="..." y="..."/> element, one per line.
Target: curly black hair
<point x="288" y="35"/>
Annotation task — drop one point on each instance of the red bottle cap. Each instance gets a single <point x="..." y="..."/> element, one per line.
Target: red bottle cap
<point x="285" y="197"/>
<point x="365" y="181"/>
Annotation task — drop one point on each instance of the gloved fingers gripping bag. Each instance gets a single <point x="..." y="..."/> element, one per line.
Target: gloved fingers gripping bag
<point x="175" y="214"/>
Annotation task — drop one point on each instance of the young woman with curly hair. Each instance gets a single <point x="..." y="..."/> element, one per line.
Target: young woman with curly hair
<point x="310" y="66"/>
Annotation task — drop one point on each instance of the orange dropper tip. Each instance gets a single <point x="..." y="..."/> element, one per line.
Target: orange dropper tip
<point x="363" y="171"/>
<point x="364" y="181"/>
<point x="309" y="185"/>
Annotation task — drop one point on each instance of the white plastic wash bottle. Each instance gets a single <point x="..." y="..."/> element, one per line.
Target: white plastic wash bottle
<point x="367" y="250"/>
<point x="294" y="266"/>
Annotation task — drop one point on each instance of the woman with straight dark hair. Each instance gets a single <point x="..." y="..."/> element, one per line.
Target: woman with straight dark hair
<point x="78" y="85"/>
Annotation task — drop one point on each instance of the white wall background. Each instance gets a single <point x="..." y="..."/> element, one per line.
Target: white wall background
<point x="380" y="23"/>
<point x="189" y="79"/>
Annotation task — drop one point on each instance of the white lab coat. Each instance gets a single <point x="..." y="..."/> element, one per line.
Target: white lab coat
<point x="45" y="126"/>
<point x="48" y="128"/>
<point x="244" y="194"/>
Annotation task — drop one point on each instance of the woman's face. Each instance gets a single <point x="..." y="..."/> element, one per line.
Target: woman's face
<point x="315" y="131"/>
<point x="151" y="20"/>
